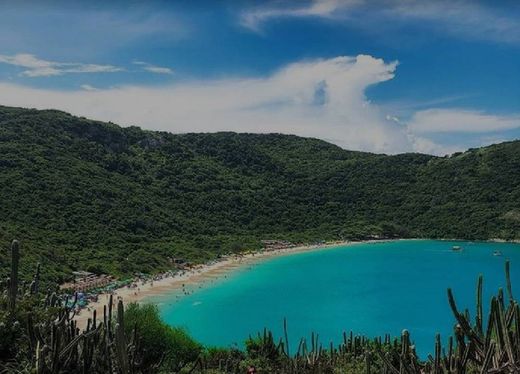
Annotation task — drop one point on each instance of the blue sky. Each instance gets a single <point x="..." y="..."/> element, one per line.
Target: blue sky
<point x="386" y="76"/>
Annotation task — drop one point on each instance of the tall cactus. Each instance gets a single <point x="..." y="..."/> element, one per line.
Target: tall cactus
<point x="13" y="280"/>
<point x="35" y="285"/>
<point x="508" y="283"/>
<point x="120" y="340"/>
<point x="478" y="314"/>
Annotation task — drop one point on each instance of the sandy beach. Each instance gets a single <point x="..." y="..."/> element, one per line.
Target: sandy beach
<point x="198" y="276"/>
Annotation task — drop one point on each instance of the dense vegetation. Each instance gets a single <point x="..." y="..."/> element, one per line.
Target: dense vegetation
<point x="94" y="196"/>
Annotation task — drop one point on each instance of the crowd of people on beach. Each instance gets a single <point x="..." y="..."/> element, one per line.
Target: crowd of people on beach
<point x="141" y="281"/>
<point x="81" y="299"/>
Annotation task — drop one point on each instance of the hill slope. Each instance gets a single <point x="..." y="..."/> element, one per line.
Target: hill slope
<point x="83" y="194"/>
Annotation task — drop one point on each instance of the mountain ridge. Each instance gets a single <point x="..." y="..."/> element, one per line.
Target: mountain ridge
<point x="85" y="194"/>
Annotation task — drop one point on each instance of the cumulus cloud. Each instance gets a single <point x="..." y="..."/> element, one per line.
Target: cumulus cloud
<point x="322" y="98"/>
<point x="422" y="144"/>
<point x="461" y="18"/>
<point x="35" y="67"/>
<point x="460" y="120"/>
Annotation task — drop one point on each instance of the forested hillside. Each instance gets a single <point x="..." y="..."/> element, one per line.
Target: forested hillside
<point x="82" y="194"/>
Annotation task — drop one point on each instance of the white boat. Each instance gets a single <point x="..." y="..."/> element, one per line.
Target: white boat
<point x="497" y="253"/>
<point x="456" y="248"/>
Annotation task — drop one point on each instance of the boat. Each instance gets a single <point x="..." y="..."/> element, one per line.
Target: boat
<point x="456" y="248"/>
<point x="497" y="253"/>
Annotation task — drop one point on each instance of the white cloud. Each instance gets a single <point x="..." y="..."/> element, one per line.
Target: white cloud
<point x="323" y="99"/>
<point x="460" y="120"/>
<point x="158" y="69"/>
<point x="154" y="68"/>
<point x="35" y="67"/>
<point x="421" y="144"/>
<point x="88" y="87"/>
<point x="461" y="18"/>
<point x="253" y="18"/>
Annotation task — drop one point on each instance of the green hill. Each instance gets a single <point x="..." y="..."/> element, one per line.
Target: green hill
<point x="82" y="194"/>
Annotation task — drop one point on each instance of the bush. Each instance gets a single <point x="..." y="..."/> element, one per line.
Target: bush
<point x="165" y="347"/>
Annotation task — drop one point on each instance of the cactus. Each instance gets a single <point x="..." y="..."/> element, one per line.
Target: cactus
<point x="508" y="283"/>
<point x="120" y="340"/>
<point x="368" y="367"/>
<point x="286" y="336"/>
<point x="478" y="314"/>
<point x="437" y="359"/>
<point x="57" y="345"/>
<point x="13" y="280"/>
<point x="497" y="351"/>
<point x="35" y="284"/>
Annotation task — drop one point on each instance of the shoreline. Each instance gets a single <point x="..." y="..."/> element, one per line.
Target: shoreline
<point x="187" y="280"/>
<point x="200" y="275"/>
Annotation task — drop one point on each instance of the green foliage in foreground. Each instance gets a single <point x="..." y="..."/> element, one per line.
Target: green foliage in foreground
<point x="87" y="195"/>
<point x="38" y="334"/>
<point x="170" y="346"/>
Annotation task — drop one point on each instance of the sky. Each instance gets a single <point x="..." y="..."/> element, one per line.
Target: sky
<point x="384" y="76"/>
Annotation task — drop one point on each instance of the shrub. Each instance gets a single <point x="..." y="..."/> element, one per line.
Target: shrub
<point x="165" y="347"/>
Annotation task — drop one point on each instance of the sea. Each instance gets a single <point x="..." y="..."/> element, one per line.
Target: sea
<point x="370" y="289"/>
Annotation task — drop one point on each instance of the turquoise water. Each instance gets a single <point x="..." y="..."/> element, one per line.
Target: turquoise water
<point x="371" y="289"/>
